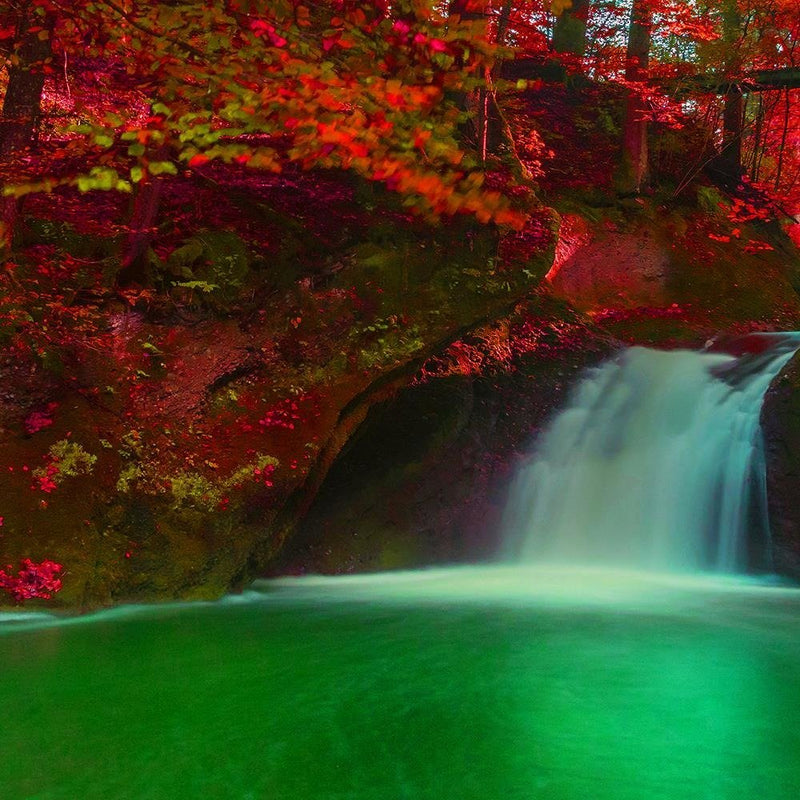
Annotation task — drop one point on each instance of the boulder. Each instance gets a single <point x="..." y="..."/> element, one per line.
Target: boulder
<point x="780" y="420"/>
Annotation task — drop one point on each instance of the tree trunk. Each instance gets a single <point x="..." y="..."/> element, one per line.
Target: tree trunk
<point x="634" y="139"/>
<point x="483" y="131"/>
<point x="141" y="227"/>
<point x="758" y="137"/>
<point x="492" y="124"/>
<point x="22" y="104"/>
<point x="729" y="163"/>
<point x="782" y="152"/>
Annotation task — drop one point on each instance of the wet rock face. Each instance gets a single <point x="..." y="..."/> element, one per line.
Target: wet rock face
<point x="425" y="478"/>
<point x="780" y="420"/>
<point x="608" y="268"/>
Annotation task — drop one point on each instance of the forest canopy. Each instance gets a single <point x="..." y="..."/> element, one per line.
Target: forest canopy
<point x="136" y="90"/>
<point x="227" y="227"/>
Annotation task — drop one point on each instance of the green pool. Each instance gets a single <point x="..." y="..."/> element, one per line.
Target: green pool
<point x="496" y="683"/>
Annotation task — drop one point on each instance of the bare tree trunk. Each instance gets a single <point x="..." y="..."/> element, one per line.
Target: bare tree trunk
<point x="492" y="122"/>
<point x="22" y="104"/>
<point x="755" y="161"/>
<point x="141" y="227"/>
<point x="781" y="153"/>
<point x="728" y="165"/>
<point x="484" y="130"/>
<point x="634" y="171"/>
<point x="729" y="162"/>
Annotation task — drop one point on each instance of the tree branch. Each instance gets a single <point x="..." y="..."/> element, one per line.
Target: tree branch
<point x="131" y="20"/>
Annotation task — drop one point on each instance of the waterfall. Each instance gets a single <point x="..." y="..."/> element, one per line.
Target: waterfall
<point x="656" y="462"/>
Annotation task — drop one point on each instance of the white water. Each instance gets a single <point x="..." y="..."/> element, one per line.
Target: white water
<point x="656" y="463"/>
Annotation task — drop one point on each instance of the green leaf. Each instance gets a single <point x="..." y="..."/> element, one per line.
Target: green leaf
<point x="161" y="168"/>
<point x="199" y="285"/>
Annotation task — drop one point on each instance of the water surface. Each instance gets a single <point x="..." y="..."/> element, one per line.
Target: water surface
<point x="496" y="683"/>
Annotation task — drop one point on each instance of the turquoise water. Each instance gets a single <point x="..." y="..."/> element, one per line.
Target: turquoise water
<point x="495" y="683"/>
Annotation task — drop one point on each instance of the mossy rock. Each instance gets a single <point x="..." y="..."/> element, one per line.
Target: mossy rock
<point x="213" y="263"/>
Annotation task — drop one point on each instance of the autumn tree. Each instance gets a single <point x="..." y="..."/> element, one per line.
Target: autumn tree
<point x="375" y="88"/>
<point x="330" y="85"/>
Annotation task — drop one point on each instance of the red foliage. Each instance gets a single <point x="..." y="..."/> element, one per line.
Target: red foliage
<point x="44" y="481"/>
<point x="32" y="580"/>
<point x="38" y="420"/>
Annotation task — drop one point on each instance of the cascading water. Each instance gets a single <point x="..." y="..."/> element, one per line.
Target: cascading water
<point x="656" y="463"/>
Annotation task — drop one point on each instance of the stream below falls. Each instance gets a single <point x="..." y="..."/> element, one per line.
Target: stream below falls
<point x="620" y="659"/>
<point x="490" y="683"/>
